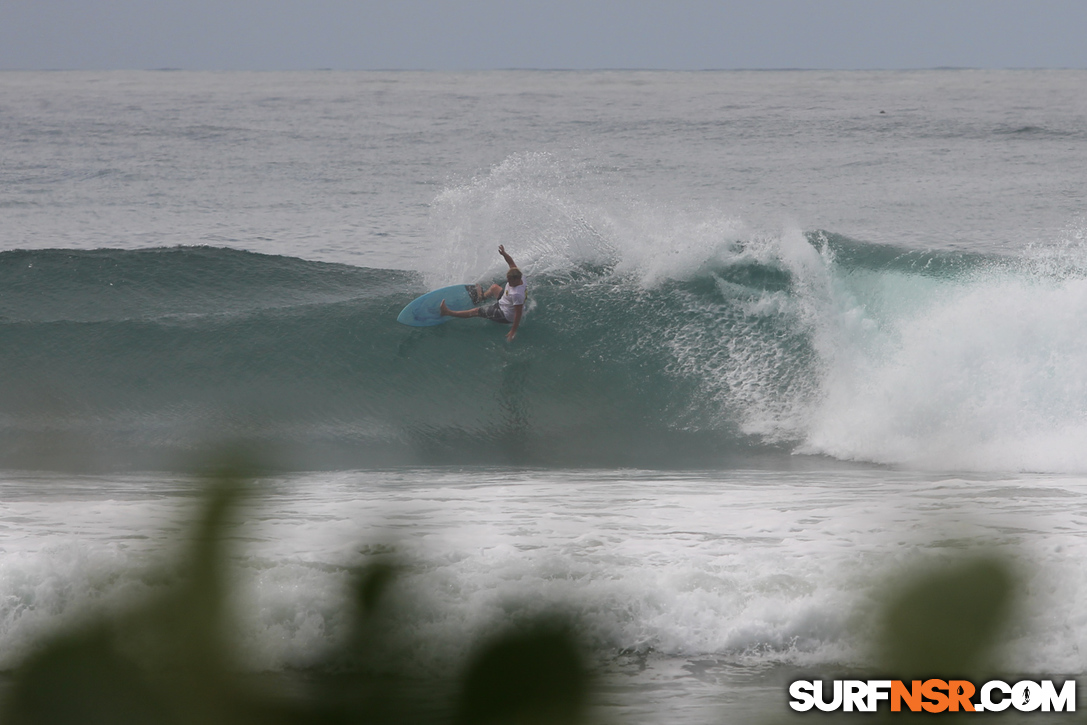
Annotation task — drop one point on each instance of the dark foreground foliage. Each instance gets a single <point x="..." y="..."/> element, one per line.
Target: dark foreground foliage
<point x="166" y="662"/>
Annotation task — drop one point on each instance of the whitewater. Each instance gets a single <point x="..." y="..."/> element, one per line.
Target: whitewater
<point x="789" y="334"/>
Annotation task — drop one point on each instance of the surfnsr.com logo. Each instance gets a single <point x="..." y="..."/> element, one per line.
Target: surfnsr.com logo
<point x="933" y="696"/>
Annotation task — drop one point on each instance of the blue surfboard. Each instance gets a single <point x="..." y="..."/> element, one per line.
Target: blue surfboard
<point x="423" y="311"/>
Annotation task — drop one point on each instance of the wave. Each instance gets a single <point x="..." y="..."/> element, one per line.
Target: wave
<point x="804" y="343"/>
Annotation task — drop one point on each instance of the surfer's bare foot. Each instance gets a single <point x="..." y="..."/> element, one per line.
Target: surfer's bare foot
<point x="443" y="309"/>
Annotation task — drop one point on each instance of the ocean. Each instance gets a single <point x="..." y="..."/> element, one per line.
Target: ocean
<point x="790" y="336"/>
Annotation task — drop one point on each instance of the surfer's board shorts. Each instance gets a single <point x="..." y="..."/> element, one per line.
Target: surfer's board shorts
<point x="493" y="313"/>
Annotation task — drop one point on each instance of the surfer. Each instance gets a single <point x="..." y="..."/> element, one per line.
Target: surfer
<point x="510" y="302"/>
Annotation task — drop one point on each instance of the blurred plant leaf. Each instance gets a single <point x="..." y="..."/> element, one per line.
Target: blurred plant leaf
<point x="372" y="585"/>
<point x="946" y="621"/>
<point x="532" y="675"/>
<point x="81" y="679"/>
<point x="166" y="661"/>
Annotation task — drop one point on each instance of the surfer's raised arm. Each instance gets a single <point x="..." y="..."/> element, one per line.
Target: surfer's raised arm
<point x="508" y="258"/>
<point x="512" y="298"/>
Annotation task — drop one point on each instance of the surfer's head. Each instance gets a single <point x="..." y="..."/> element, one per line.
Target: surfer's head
<point x="513" y="276"/>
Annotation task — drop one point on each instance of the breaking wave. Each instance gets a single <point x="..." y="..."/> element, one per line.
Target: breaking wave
<point x="753" y="347"/>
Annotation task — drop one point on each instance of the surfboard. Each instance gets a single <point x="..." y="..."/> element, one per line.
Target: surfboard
<point x="423" y="311"/>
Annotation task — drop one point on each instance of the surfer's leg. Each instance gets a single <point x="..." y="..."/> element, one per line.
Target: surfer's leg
<point x="446" y="312"/>
<point x="494" y="291"/>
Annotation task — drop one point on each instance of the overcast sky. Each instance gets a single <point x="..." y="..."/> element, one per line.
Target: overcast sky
<point x="483" y="34"/>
